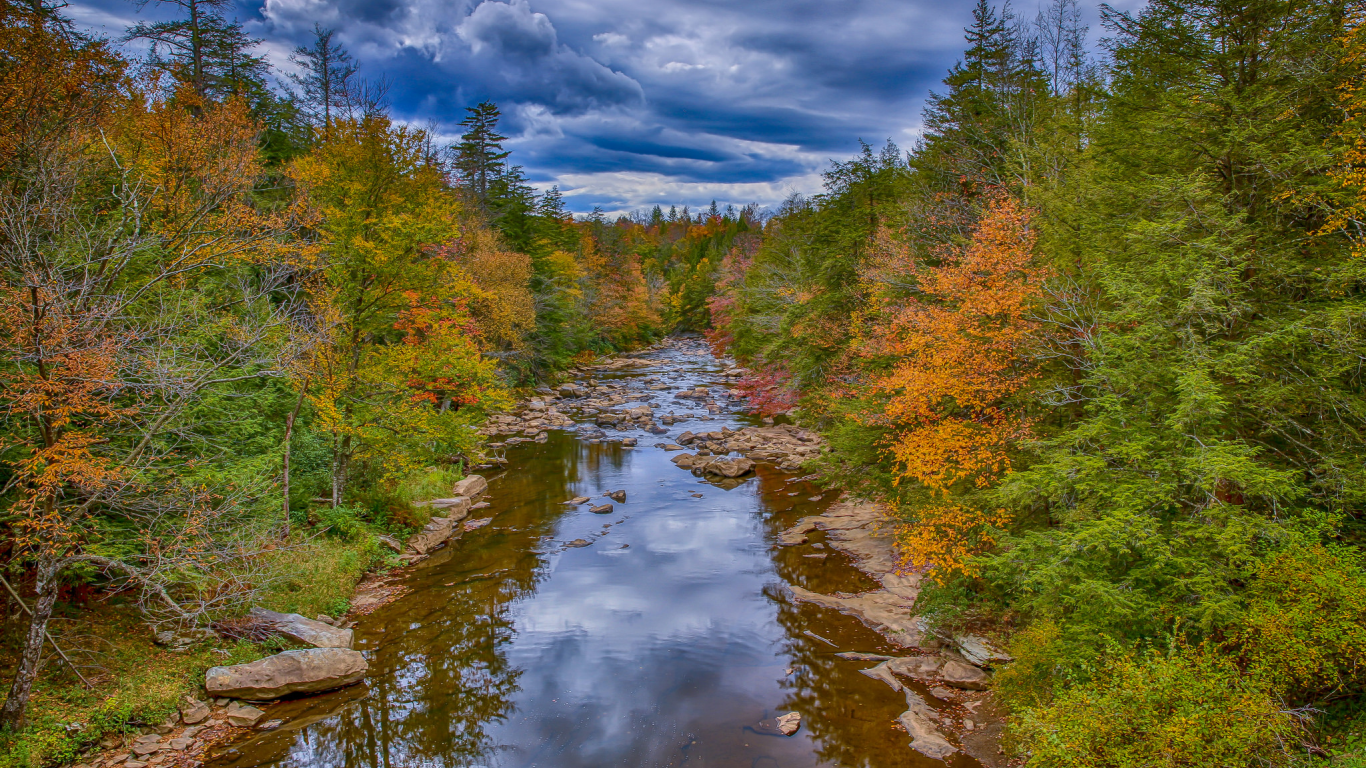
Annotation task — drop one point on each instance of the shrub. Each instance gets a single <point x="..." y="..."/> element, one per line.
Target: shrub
<point x="319" y="576"/>
<point x="1188" y="710"/>
<point x="1304" y="632"/>
<point x="342" y="522"/>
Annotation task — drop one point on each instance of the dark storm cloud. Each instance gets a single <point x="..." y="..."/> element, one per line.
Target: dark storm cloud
<point x="519" y="55"/>
<point x="627" y="102"/>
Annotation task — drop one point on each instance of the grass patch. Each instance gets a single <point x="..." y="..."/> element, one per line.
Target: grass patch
<point x="319" y="575"/>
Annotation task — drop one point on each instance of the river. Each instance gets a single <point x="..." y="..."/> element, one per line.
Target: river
<point x="664" y="642"/>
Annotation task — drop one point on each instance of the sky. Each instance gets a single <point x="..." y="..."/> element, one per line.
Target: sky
<point x="627" y="104"/>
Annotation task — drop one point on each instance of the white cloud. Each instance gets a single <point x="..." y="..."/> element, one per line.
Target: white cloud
<point x="631" y="190"/>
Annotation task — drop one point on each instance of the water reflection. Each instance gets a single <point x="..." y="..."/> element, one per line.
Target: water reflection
<point x="658" y="645"/>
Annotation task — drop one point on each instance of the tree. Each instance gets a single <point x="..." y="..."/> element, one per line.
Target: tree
<point x="325" y="85"/>
<point x="479" y="156"/>
<point x="53" y="81"/>
<point x="134" y="278"/>
<point x="385" y="215"/>
<point x="958" y="351"/>
<point x="204" y="50"/>
<point x="1350" y="214"/>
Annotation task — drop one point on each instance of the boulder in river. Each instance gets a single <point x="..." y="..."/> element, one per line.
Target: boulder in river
<point x="618" y="496"/>
<point x="243" y="715"/>
<point x="783" y="725"/>
<point x="456" y="506"/>
<point x="925" y="736"/>
<point x="311" y="670"/>
<point x="472" y="486"/>
<point x="605" y="509"/>
<point x="730" y="467"/>
<point x="303" y="630"/>
<point x="938" y="668"/>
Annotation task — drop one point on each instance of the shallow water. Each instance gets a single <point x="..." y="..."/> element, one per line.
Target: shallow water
<point x="661" y="644"/>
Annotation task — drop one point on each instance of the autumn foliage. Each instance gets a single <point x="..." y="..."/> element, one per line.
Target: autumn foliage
<point x="958" y="349"/>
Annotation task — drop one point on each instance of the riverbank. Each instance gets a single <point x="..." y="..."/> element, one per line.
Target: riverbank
<point x="950" y="671"/>
<point x="139" y="677"/>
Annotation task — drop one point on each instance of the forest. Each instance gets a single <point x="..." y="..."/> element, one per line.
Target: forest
<point x="1096" y="338"/>
<point x="1106" y="362"/>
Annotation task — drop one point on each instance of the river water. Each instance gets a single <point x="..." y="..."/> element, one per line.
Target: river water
<point x="663" y="643"/>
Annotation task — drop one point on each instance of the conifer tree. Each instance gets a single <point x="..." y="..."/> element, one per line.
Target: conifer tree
<point x="325" y="85"/>
<point x="204" y="50"/>
<point x="480" y="155"/>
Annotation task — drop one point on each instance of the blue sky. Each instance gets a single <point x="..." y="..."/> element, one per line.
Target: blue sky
<point x="626" y="104"/>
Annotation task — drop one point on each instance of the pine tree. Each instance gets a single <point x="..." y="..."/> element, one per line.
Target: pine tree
<point x="965" y="128"/>
<point x="479" y="156"/>
<point x="551" y="205"/>
<point x="204" y="50"/>
<point x="325" y="85"/>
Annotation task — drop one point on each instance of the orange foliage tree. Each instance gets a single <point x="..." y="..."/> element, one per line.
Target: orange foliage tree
<point x="959" y="353"/>
<point x="1351" y="172"/>
<point x="617" y="297"/>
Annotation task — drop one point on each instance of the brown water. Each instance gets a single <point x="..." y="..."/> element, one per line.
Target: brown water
<point x="661" y="644"/>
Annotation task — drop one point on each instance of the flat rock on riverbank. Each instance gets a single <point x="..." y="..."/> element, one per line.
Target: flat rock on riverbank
<point x="859" y="529"/>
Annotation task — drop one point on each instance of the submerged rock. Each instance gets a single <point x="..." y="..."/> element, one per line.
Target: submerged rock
<point x="312" y="670"/>
<point x="797" y="533"/>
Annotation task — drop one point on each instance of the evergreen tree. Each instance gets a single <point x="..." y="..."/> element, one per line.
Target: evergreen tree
<point x="551" y="205"/>
<point x="965" y="128"/>
<point x="479" y="157"/>
<point x="325" y="85"/>
<point x="205" y="50"/>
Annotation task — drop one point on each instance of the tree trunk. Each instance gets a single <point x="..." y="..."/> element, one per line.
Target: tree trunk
<point x="289" y="433"/>
<point x="340" y="465"/>
<point x="12" y="716"/>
